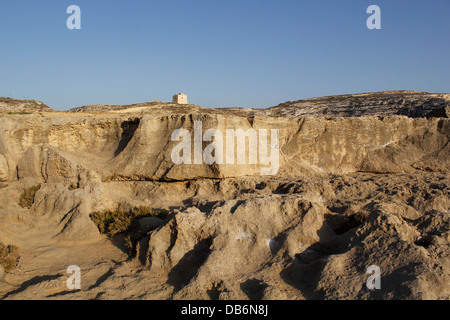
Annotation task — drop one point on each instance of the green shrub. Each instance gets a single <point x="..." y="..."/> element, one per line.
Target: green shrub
<point x="117" y="221"/>
<point x="27" y="197"/>
<point x="9" y="257"/>
<point x="19" y="112"/>
<point x="73" y="186"/>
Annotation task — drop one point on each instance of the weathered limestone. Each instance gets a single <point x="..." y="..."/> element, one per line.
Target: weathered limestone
<point x="363" y="180"/>
<point x="4" y="170"/>
<point x="58" y="148"/>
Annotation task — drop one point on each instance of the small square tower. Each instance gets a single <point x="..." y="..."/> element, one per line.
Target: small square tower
<point x="180" y="98"/>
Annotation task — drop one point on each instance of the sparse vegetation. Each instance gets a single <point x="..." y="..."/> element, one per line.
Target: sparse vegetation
<point x="9" y="257"/>
<point x="19" y="112"/>
<point x="27" y="197"/>
<point x="22" y="106"/>
<point x="73" y="186"/>
<point x="118" y="221"/>
<point x="8" y="99"/>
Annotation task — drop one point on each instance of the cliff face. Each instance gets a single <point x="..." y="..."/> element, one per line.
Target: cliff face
<point x="331" y="184"/>
<point x="140" y="147"/>
<point x="408" y="103"/>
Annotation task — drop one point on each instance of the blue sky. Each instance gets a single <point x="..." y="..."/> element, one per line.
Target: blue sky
<point x="222" y="53"/>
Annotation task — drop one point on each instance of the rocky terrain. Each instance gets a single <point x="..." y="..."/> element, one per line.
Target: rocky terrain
<point x="407" y="103"/>
<point x="22" y="106"/>
<point x="362" y="180"/>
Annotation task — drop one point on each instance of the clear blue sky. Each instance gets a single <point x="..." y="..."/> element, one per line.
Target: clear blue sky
<point x="222" y="53"/>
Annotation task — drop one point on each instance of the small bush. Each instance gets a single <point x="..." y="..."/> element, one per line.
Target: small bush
<point x="19" y="112"/>
<point x="117" y="221"/>
<point x="73" y="186"/>
<point x="27" y="197"/>
<point x="9" y="257"/>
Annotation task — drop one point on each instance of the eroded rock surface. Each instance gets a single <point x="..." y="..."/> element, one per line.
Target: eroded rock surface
<point x="362" y="180"/>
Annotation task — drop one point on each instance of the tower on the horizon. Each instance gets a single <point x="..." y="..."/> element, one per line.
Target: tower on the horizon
<point x="180" y="98"/>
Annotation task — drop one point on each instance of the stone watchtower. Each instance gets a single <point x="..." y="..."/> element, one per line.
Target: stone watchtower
<point x="180" y="98"/>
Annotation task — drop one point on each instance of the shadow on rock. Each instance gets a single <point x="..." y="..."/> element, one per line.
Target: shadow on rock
<point x="254" y="288"/>
<point x="187" y="267"/>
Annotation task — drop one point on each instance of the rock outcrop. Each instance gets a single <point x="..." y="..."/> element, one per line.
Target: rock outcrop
<point x="22" y="106"/>
<point x="140" y="148"/>
<point x="361" y="180"/>
<point x="408" y="103"/>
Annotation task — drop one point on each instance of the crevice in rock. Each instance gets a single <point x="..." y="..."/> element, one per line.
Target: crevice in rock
<point x="237" y="205"/>
<point x="128" y="129"/>
<point x="190" y="263"/>
<point x="215" y="290"/>
<point x="340" y="224"/>
<point x="102" y="278"/>
<point x="424" y="242"/>
<point x="32" y="282"/>
<point x="254" y="288"/>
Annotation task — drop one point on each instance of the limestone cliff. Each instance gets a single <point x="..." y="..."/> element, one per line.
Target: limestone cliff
<point x="361" y="180"/>
<point x="137" y="145"/>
